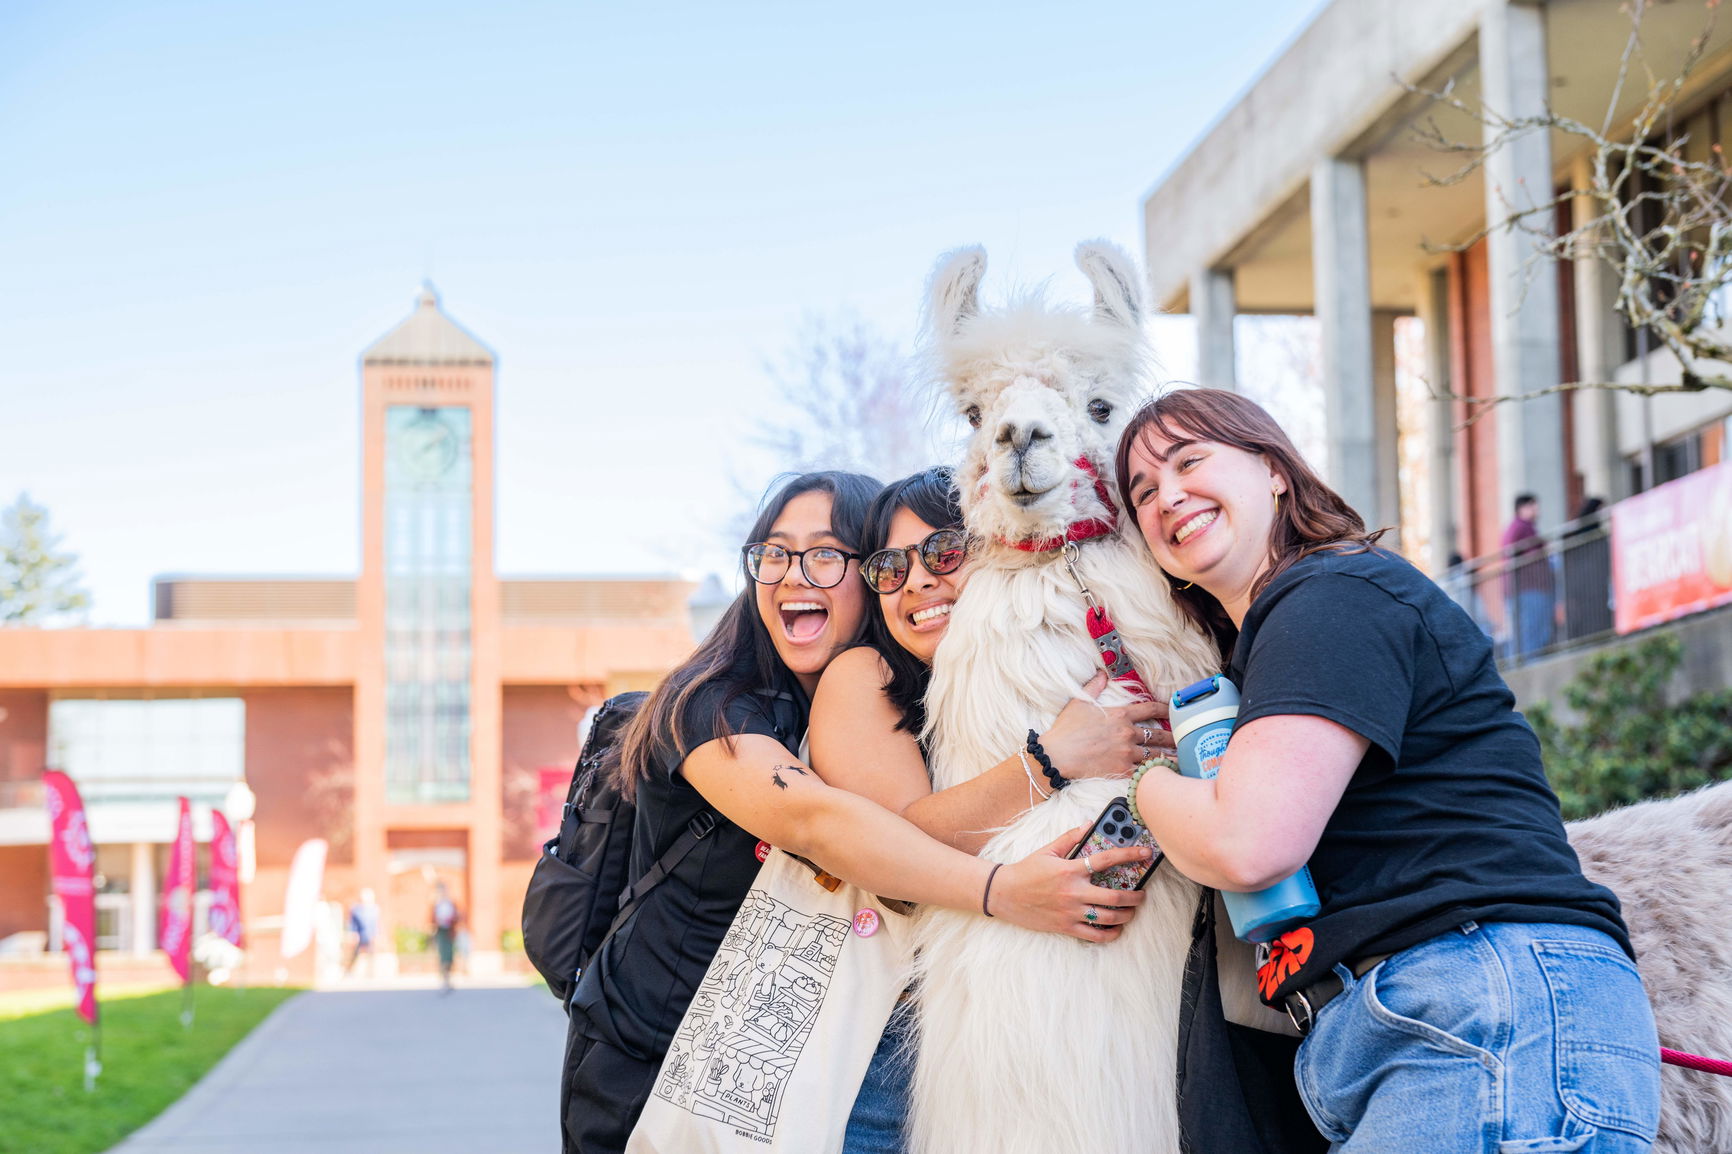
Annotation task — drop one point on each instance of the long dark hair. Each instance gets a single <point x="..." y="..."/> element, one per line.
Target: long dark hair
<point x="1312" y="517"/>
<point x="738" y="653"/>
<point x="930" y="495"/>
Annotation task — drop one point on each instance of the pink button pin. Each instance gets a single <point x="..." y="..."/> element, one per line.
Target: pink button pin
<point x="866" y="922"/>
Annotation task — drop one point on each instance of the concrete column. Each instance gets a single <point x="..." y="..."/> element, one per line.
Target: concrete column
<point x="1599" y="350"/>
<point x="142" y="891"/>
<point x="1439" y="416"/>
<point x="1524" y="293"/>
<point x="1214" y="305"/>
<point x="1341" y="270"/>
<point x="1386" y="428"/>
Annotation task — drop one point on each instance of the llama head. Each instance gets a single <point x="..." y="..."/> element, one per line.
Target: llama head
<point x="1047" y="390"/>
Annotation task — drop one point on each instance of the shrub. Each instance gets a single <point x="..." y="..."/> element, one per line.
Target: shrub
<point x="1631" y="744"/>
<point x="410" y="940"/>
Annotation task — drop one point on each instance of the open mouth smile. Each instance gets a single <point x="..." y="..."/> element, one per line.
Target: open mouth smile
<point x="930" y="616"/>
<point x="1194" y="524"/>
<point x="803" y="621"/>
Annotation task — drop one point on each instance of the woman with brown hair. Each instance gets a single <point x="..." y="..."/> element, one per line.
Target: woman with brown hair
<point x="1464" y="987"/>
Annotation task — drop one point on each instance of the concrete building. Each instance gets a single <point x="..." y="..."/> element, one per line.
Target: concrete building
<point x="1310" y="195"/>
<point x="422" y="716"/>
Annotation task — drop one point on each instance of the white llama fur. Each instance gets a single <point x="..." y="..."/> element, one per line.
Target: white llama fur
<point x="1668" y="862"/>
<point x="1036" y="1042"/>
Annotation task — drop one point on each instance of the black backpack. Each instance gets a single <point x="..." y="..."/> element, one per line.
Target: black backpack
<point x="578" y="893"/>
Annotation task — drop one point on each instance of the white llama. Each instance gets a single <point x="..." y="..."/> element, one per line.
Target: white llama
<point x="1036" y="1042"/>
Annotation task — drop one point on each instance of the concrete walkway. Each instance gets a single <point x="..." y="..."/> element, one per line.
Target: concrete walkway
<point x="381" y="1072"/>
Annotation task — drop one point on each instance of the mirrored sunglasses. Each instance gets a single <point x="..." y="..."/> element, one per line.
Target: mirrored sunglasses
<point x="942" y="552"/>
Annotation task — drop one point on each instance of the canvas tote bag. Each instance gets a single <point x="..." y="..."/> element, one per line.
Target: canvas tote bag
<point x="775" y="1044"/>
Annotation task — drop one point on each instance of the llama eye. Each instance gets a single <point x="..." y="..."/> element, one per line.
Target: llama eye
<point x="1100" y="410"/>
<point x="973" y="415"/>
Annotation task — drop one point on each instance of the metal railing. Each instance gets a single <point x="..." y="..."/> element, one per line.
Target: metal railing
<point x="1547" y="595"/>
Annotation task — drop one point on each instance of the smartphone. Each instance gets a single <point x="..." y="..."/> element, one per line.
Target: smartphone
<point x="1116" y="829"/>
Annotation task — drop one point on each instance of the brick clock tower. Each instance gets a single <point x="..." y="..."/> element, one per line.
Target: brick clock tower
<point x="427" y="708"/>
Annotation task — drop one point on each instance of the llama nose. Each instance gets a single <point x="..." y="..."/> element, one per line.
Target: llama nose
<point x="1021" y="438"/>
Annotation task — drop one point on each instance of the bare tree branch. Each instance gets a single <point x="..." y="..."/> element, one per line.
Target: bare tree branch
<point x="1662" y="220"/>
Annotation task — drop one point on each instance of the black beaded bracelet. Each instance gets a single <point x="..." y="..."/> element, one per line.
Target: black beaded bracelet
<point x="1057" y="779"/>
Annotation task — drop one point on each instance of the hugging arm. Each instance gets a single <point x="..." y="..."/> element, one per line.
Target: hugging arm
<point x="857" y="747"/>
<point x="763" y="788"/>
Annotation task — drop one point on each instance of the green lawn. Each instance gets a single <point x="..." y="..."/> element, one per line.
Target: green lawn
<point x="148" y="1061"/>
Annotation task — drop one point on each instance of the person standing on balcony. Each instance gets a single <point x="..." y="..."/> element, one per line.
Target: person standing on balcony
<point x="1587" y="562"/>
<point x="1530" y="593"/>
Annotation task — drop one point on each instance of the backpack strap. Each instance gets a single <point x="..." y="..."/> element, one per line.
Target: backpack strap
<point x="697" y="829"/>
<point x="785" y="714"/>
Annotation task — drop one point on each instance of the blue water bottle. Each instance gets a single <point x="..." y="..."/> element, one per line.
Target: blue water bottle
<point x="1202" y="720"/>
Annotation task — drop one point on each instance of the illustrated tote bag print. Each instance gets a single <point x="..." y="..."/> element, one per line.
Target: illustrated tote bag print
<point x="775" y="1044"/>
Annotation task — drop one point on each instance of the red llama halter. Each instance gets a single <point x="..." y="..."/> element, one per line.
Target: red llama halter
<point x="1085" y="530"/>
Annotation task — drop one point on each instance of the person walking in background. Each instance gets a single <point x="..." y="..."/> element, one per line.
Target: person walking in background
<point x="1530" y="593"/>
<point x="364" y="924"/>
<point x="446" y="916"/>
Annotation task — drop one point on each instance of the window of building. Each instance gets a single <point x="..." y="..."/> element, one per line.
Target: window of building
<point x="428" y="549"/>
<point x="149" y="749"/>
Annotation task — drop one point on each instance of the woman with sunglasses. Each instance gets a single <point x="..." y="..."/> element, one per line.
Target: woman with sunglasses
<point x="718" y="736"/>
<point x="867" y="717"/>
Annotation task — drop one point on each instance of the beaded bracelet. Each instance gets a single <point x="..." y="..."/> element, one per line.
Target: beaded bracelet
<point x="1148" y="763"/>
<point x="1058" y="780"/>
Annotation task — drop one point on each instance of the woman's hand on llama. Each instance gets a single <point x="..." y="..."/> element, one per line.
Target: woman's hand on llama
<point x="1048" y="891"/>
<point x="1089" y="740"/>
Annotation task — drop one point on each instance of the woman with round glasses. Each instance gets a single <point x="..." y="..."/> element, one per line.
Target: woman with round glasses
<point x="867" y="717"/>
<point x="718" y="737"/>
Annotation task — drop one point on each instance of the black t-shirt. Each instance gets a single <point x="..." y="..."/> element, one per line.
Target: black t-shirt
<point x="641" y="981"/>
<point x="1449" y="816"/>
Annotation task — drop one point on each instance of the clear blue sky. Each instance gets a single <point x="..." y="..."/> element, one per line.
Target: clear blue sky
<point x="209" y="210"/>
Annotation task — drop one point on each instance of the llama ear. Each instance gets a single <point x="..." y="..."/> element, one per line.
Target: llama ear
<point x="955" y="292"/>
<point x="1118" y="289"/>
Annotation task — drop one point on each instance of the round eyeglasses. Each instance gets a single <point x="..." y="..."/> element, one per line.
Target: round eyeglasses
<point x="823" y="566"/>
<point x="942" y="552"/>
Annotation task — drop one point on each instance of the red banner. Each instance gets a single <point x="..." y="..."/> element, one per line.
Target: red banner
<point x="225" y="881"/>
<point x="1672" y="549"/>
<point x="71" y="861"/>
<point x="176" y="935"/>
<point x="551" y="783"/>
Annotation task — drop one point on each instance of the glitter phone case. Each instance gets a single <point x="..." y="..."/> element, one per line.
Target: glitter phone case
<point x="1114" y="829"/>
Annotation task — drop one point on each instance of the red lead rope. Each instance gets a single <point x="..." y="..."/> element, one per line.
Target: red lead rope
<point x="1696" y="1062"/>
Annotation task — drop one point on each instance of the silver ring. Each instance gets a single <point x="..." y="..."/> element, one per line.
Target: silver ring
<point x="1089" y="862"/>
<point x="1146" y="734"/>
<point x="1144" y="754"/>
<point x="1092" y="916"/>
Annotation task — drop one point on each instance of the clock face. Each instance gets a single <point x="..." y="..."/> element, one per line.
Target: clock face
<point x="428" y="446"/>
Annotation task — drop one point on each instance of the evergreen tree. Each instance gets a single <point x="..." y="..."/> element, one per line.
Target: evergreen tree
<point x="39" y="581"/>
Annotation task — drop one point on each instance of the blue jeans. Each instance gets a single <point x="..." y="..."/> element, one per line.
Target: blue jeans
<point x="1503" y="1038"/>
<point x="1533" y="611"/>
<point x="877" y="1124"/>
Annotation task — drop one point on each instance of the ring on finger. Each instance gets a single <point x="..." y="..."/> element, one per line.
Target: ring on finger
<point x="1092" y="916"/>
<point x="1089" y="864"/>
<point x="1147" y="736"/>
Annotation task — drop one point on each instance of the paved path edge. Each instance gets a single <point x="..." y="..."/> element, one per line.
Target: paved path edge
<point x="218" y="1078"/>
